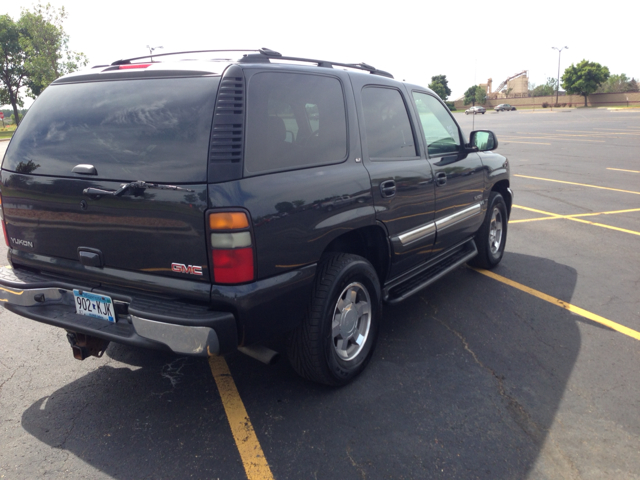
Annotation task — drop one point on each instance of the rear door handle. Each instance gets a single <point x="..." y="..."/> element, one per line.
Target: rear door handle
<point x="441" y="178"/>
<point x="388" y="188"/>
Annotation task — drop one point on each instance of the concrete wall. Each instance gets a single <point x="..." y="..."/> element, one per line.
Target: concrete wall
<point x="595" y="100"/>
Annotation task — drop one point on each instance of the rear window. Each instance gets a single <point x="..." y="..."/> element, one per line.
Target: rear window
<point x="294" y="121"/>
<point x="156" y="130"/>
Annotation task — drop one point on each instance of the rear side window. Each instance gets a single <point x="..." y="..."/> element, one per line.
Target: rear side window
<point x="294" y="121"/>
<point x="388" y="129"/>
<point x="156" y="130"/>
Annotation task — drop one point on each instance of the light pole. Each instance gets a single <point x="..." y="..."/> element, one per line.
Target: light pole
<point x="558" y="81"/>
<point x="151" y="49"/>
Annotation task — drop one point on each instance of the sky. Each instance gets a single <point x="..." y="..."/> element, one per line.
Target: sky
<point x="468" y="42"/>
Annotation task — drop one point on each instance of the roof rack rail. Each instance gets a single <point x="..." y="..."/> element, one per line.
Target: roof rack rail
<point x="263" y="55"/>
<point x="126" y="61"/>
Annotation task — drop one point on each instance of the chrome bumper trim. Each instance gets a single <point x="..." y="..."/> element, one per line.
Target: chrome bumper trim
<point x="184" y="340"/>
<point x="457" y="217"/>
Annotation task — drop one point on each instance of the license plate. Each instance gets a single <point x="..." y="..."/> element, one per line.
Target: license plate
<point x="96" y="306"/>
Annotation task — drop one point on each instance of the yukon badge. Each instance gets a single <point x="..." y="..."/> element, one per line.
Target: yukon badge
<point x="190" y="269"/>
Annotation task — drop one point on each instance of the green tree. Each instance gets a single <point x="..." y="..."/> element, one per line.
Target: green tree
<point x="47" y="47"/>
<point x="470" y="95"/>
<point x="440" y="85"/>
<point x="617" y="84"/>
<point x="12" y="71"/>
<point x="546" y="90"/>
<point x="584" y="78"/>
<point x="34" y="51"/>
<point x="481" y="95"/>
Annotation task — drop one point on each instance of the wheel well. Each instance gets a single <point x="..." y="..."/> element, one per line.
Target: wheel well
<point x="368" y="242"/>
<point x="503" y="188"/>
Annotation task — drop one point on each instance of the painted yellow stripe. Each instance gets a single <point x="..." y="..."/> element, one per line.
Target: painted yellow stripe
<point x="567" y="306"/>
<point x="530" y="143"/>
<point x="553" y="216"/>
<point x="622" y="170"/>
<point x="253" y="459"/>
<point x="579" y="184"/>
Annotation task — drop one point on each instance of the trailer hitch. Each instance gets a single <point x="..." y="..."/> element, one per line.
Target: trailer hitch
<point x="84" y="346"/>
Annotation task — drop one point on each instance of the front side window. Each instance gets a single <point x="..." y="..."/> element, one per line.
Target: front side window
<point x="294" y="121"/>
<point x="440" y="130"/>
<point x="387" y="125"/>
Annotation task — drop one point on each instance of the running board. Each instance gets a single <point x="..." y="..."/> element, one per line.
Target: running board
<point x="397" y="293"/>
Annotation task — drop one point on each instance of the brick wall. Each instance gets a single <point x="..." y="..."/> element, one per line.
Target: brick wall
<point x="595" y="100"/>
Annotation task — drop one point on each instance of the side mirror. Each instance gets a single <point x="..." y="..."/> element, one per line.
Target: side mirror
<point x="483" y="140"/>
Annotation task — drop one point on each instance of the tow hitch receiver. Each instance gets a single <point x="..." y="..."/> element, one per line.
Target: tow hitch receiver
<point x="84" y="346"/>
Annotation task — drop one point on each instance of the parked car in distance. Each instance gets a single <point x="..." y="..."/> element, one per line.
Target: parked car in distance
<point x="504" y="107"/>
<point x="475" y="110"/>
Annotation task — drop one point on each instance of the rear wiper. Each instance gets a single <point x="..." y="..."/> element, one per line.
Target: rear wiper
<point x="139" y="185"/>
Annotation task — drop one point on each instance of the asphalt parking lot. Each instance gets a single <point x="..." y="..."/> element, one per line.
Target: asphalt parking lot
<point x="530" y="372"/>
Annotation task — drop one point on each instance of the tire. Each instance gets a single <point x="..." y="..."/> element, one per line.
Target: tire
<point x="337" y="338"/>
<point x="492" y="236"/>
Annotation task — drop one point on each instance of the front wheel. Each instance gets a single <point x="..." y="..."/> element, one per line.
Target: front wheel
<point x="336" y="340"/>
<point x="492" y="236"/>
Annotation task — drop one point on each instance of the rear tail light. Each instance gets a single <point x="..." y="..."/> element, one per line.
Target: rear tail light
<point x="231" y="247"/>
<point x="4" y="227"/>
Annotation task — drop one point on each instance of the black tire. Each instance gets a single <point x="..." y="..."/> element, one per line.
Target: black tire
<point x="492" y="236"/>
<point x="317" y="349"/>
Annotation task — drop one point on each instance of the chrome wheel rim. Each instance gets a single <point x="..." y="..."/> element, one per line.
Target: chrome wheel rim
<point x="351" y="321"/>
<point x="495" y="231"/>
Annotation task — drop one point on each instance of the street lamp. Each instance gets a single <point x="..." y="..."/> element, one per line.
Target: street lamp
<point x="558" y="84"/>
<point x="151" y="49"/>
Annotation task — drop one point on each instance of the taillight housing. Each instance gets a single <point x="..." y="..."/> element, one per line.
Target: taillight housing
<point x="4" y="227"/>
<point x="232" y="249"/>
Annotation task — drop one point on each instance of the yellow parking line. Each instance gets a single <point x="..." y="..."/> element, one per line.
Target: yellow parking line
<point x="622" y="170"/>
<point x="253" y="459"/>
<point x="579" y="184"/>
<point x="567" y="306"/>
<point x="555" y="216"/>
<point x="530" y="143"/>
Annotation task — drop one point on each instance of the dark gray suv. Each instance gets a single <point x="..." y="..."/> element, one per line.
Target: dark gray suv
<point x="206" y="206"/>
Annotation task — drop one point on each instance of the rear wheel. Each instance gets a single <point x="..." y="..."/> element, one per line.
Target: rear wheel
<point x="336" y="340"/>
<point x="492" y="236"/>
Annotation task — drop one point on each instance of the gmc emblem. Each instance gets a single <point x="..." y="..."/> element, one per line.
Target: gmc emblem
<point x="191" y="269"/>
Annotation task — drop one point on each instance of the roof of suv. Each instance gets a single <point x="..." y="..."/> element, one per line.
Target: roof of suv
<point x="184" y="63"/>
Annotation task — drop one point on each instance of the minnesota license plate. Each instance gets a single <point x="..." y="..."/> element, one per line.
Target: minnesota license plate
<point x="96" y="306"/>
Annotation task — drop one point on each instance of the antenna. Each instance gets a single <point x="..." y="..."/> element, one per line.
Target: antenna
<point x="151" y="49"/>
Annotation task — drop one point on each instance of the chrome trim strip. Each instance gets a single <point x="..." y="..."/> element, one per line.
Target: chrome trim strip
<point x="468" y="212"/>
<point x="417" y="234"/>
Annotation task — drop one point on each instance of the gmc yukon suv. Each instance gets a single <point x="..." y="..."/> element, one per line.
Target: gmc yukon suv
<point x="206" y="206"/>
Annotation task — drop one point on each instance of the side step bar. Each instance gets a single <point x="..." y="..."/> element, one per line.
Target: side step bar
<point x="399" y="292"/>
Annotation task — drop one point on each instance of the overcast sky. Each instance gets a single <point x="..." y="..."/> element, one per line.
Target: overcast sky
<point x="466" y="41"/>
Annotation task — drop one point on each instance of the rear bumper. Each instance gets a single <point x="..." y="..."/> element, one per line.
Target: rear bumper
<point x="150" y="322"/>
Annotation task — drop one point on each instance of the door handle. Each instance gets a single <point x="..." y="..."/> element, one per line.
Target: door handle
<point x="388" y="188"/>
<point x="441" y="178"/>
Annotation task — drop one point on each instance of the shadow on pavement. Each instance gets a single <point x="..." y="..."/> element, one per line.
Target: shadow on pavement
<point x="465" y="383"/>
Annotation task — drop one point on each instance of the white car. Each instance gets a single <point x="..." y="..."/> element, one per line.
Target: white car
<point x="475" y="110"/>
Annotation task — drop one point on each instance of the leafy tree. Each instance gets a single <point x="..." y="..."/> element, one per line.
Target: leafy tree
<point x="470" y="95"/>
<point x="633" y="86"/>
<point x="584" y="78"/>
<point x="34" y="52"/>
<point x="617" y="84"/>
<point x="481" y="95"/>
<point x="47" y="47"/>
<point x="12" y="71"/>
<point x="545" y="90"/>
<point x="440" y="85"/>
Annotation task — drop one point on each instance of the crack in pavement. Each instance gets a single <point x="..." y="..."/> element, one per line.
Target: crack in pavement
<point x="517" y="411"/>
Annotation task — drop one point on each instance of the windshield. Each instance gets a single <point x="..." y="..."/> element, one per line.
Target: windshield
<point x="155" y="130"/>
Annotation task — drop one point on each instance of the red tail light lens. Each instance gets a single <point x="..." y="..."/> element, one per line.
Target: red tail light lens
<point x="4" y="227"/>
<point x="231" y="246"/>
<point x="233" y="266"/>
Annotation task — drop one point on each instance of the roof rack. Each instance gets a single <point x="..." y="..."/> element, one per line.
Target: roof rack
<point x="263" y="55"/>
